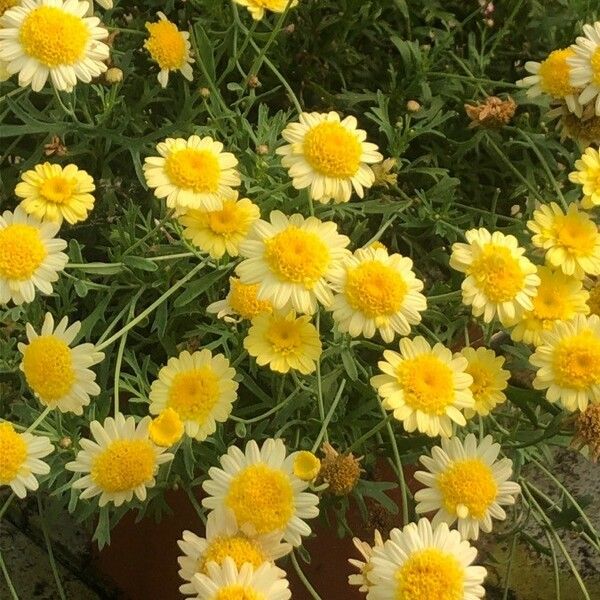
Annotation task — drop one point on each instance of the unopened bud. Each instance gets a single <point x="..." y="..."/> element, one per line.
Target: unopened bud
<point x="114" y="75"/>
<point x="262" y="149"/>
<point x="254" y="81"/>
<point x="413" y="106"/>
<point x="65" y="442"/>
<point x="204" y="92"/>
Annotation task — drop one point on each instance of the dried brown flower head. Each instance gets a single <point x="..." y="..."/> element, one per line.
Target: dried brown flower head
<point x="587" y="431"/>
<point x="55" y="146"/>
<point x="584" y="130"/>
<point x="383" y="173"/>
<point x="493" y="112"/>
<point x="340" y="471"/>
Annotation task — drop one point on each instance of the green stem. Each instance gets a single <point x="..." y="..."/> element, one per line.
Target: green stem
<point x="319" y="381"/>
<point x="370" y="433"/>
<point x="509" y="566"/>
<point x="332" y="408"/>
<point x="9" y="584"/>
<point x="446" y="296"/>
<point x="119" y="361"/>
<point x="61" y="591"/>
<point x="6" y="504"/>
<point x="309" y="588"/>
<point x="40" y="418"/>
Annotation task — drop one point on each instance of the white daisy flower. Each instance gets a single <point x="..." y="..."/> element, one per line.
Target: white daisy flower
<point x="585" y="65"/>
<point x="361" y="579"/>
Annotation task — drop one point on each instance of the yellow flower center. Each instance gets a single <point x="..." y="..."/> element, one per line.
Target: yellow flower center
<point x="124" y="465"/>
<point x="577" y="233"/>
<point x="238" y="592"/>
<point x="166" y="429"/>
<point x="375" y="289"/>
<point x="54" y="36"/>
<point x="427" y="383"/>
<point x="555" y="74"/>
<point x="297" y="256"/>
<point x="238" y="547"/>
<point x="48" y="367"/>
<point x="13" y="453"/>
<point x="576" y="361"/>
<point x="262" y="497"/>
<point x="196" y="170"/>
<point x="58" y="189"/>
<point x="468" y="487"/>
<point x="21" y="251"/>
<point x="551" y="303"/>
<point x="6" y="4"/>
<point x="193" y="394"/>
<point x="227" y="220"/>
<point x="482" y="381"/>
<point x="332" y="150"/>
<point x="285" y="336"/>
<point x="594" y="300"/>
<point x="306" y="466"/>
<point x="497" y="273"/>
<point x="430" y="574"/>
<point x="595" y="63"/>
<point x="243" y="300"/>
<point x="166" y="45"/>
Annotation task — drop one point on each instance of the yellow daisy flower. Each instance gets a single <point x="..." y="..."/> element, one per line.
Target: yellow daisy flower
<point x="585" y="65"/>
<point x="560" y="297"/>
<point x="306" y="465"/>
<point x="425" y="387"/>
<point x="166" y="429"/>
<point x="377" y="292"/>
<point x="500" y="280"/>
<point x="587" y="174"/>
<point x="568" y="362"/>
<point x="241" y="301"/>
<point x="169" y="48"/>
<point x="329" y="156"/>
<point x="258" y="8"/>
<point x="284" y="342"/>
<point x="55" y="193"/>
<point x="489" y="380"/>
<point x="571" y="240"/>
<point x="52" y="38"/>
<point x="220" y="231"/>
<point x="21" y="459"/>
<point x="192" y="173"/>
<point x="292" y="258"/>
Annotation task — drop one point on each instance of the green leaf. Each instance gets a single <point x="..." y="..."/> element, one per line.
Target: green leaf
<point x="138" y="262"/>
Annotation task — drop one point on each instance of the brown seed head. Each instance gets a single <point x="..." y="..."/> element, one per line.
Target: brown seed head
<point x="492" y="113"/>
<point x="340" y="471"/>
<point x="587" y="431"/>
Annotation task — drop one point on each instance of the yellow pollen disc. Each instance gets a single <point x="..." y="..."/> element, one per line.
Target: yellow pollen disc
<point x="48" y="367"/>
<point x="482" y="380"/>
<point x="21" y="251"/>
<point x="578" y="235"/>
<point x="58" y="189"/>
<point x="262" y="497"/>
<point x="54" y="36"/>
<point x="6" y="4"/>
<point x="166" y="45"/>
<point x="124" y="465"/>
<point x="238" y="547"/>
<point x="468" y="483"/>
<point x="225" y="221"/>
<point x="193" y="394"/>
<point x="427" y="383"/>
<point x="238" y="592"/>
<point x="576" y="361"/>
<point x="297" y="256"/>
<point x="332" y="150"/>
<point x="430" y="574"/>
<point x="594" y="300"/>
<point x="550" y="304"/>
<point x="375" y="289"/>
<point x="555" y="74"/>
<point x="13" y="453"/>
<point x="595" y="63"/>
<point x="306" y="466"/>
<point x="243" y="300"/>
<point x="196" y="170"/>
<point x="497" y="273"/>
<point x="284" y="336"/>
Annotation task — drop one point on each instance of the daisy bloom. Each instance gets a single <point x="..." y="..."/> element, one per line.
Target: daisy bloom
<point x="166" y="429"/>
<point x="169" y="48"/>
<point x="585" y="65"/>
<point x="306" y="466"/>
<point x="560" y="297"/>
<point x="500" y="280"/>
<point x="377" y="292"/>
<point x="361" y="579"/>
<point x="30" y="256"/>
<point x="571" y="240"/>
<point x="284" y="342"/>
<point x="59" y="374"/>
<point x="225" y="540"/>
<point x="568" y="362"/>
<point x="425" y="387"/>
<point x="258" y="8"/>
<point x="466" y="483"/>
<point x="553" y="77"/>
<point x="21" y="459"/>
<point x="52" y="38"/>
<point x="192" y="173"/>
<point x="587" y="175"/>
<point x="241" y="301"/>
<point x="260" y="487"/>
<point x="220" y="231"/>
<point x="119" y="462"/>
<point x="199" y="387"/>
<point x="55" y="193"/>
<point x="329" y="156"/>
<point x="292" y="258"/>
<point x="422" y="562"/>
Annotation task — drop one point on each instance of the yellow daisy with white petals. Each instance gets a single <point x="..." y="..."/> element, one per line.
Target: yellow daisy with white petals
<point x="169" y="48"/>
<point x="361" y="579"/>
<point x="241" y="301"/>
<point x="585" y="65"/>
<point x="21" y="459"/>
<point x="466" y="483"/>
<point x="192" y="173"/>
<point x="223" y="540"/>
<point x="59" y="374"/>
<point x="568" y="362"/>
<point x="571" y="240"/>
<point x="328" y="155"/>
<point x="199" y="387"/>
<point x="425" y="387"/>
<point x="500" y="280"/>
<point x="55" y="193"/>
<point x="260" y="487"/>
<point x="52" y="38"/>
<point x="293" y="259"/>
<point x="30" y="256"/>
<point x="119" y="462"/>
<point x="377" y="291"/>
<point x="421" y="562"/>
<point x="587" y="175"/>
